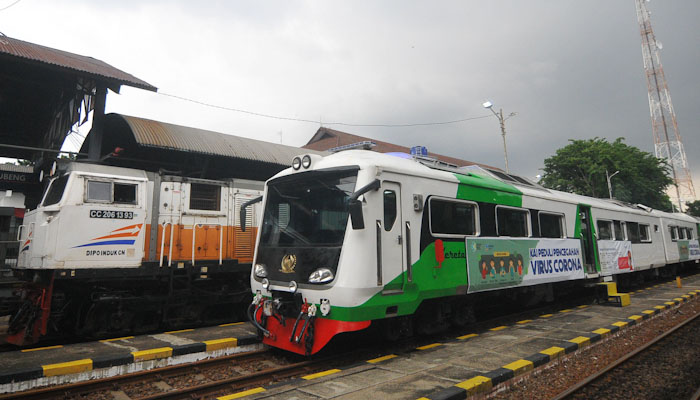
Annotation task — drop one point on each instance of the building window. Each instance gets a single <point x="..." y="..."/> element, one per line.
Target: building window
<point x="512" y="222"/>
<point x="551" y="225"/>
<point x="205" y="197"/>
<point x="453" y="217"/>
<point x="605" y="230"/>
<point x="389" y="209"/>
<point x="644" y="233"/>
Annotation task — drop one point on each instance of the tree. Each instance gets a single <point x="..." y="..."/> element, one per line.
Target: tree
<point x="693" y="208"/>
<point x="580" y="166"/>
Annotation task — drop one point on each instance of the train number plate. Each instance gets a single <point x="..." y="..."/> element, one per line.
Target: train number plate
<point x="111" y="214"/>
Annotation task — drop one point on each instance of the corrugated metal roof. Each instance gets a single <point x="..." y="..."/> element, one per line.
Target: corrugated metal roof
<point x="64" y="59"/>
<point x="169" y="136"/>
<point x="16" y="168"/>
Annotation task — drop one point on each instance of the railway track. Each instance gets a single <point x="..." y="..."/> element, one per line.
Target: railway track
<point x="181" y="381"/>
<point x="651" y="371"/>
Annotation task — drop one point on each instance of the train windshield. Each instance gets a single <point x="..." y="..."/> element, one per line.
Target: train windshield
<point x="308" y="209"/>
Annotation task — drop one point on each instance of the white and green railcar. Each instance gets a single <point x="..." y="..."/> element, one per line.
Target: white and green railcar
<point x="360" y="237"/>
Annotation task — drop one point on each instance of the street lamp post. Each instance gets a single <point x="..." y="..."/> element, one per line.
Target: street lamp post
<point x="608" y="177"/>
<point x="502" y="120"/>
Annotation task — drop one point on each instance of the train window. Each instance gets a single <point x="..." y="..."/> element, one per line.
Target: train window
<point x="282" y="216"/>
<point x="656" y="228"/>
<point x="389" y="209"/>
<point x="619" y="233"/>
<point x="673" y="230"/>
<point x="512" y="222"/>
<point x="55" y="191"/>
<point x="605" y="230"/>
<point x="205" y="197"/>
<point x="690" y="233"/>
<point x="124" y="193"/>
<point x="681" y="233"/>
<point x="551" y="225"/>
<point x="644" y="234"/>
<point x="99" y="191"/>
<point x="452" y="218"/>
<point x="632" y="232"/>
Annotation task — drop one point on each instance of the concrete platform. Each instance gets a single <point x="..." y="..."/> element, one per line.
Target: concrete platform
<point x="29" y="368"/>
<point x="477" y="361"/>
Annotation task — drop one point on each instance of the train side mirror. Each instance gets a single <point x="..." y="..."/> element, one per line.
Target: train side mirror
<point x="355" y="205"/>
<point x="244" y="214"/>
<point x="356" y="217"/>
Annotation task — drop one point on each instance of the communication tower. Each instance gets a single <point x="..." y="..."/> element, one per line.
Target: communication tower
<point x="667" y="138"/>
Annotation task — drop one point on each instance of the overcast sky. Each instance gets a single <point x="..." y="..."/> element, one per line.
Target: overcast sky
<point x="570" y="69"/>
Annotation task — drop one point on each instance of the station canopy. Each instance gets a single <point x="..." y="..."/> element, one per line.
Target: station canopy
<point x="45" y="91"/>
<point x="153" y="145"/>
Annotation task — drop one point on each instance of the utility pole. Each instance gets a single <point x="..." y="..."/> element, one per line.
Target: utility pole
<point x="502" y="120"/>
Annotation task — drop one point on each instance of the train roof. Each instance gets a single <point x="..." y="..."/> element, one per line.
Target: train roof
<point x="483" y="177"/>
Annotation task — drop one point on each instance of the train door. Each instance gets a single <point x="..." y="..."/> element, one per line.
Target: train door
<point x="391" y="241"/>
<point x="587" y="239"/>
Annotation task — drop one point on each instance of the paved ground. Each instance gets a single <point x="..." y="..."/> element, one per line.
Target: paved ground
<point x="24" y="369"/>
<point x="432" y="368"/>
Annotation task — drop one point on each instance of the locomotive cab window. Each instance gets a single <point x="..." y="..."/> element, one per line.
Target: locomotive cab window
<point x="673" y="230"/>
<point x="99" y="191"/>
<point x="111" y="192"/>
<point x="205" y="197"/>
<point x="55" y="191"/>
<point x="512" y="222"/>
<point x="551" y="225"/>
<point x="389" y="209"/>
<point x="455" y="218"/>
<point x="605" y="230"/>
<point x="644" y="233"/>
<point x="124" y="193"/>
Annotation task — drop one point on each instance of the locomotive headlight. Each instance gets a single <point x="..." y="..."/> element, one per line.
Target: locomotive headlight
<point x="293" y="287"/>
<point x="296" y="163"/>
<point x="260" y="270"/>
<point x="321" y="275"/>
<point x="265" y="283"/>
<point x="306" y="161"/>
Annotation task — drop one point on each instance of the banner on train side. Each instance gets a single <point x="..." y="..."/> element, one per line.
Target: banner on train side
<point x="688" y="250"/>
<point x="615" y="256"/>
<point x="501" y="263"/>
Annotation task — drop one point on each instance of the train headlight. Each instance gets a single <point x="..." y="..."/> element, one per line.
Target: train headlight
<point x="265" y="283"/>
<point x="293" y="287"/>
<point x="306" y="161"/>
<point x="296" y="163"/>
<point x="321" y="275"/>
<point x="260" y="271"/>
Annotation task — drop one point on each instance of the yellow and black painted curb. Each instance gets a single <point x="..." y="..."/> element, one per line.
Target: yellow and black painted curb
<point x="89" y="364"/>
<point x="484" y="383"/>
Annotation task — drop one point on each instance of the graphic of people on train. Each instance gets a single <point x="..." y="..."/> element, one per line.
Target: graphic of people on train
<point x="492" y="267"/>
<point x="511" y="266"/>
<point x="501" y="266"/>
<point x="483" y="265"/>
<point x="520" y="265"/>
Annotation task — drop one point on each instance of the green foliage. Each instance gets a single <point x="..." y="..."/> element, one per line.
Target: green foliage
<point x="580" y="166"/>
<point x="693" y="208"/>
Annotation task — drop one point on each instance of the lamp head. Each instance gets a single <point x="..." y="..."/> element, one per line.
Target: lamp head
<point x="487" y="104"/>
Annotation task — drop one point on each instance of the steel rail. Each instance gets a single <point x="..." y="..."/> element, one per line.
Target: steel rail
<point x="620" y="361"/>
<point x="62" y="391"/>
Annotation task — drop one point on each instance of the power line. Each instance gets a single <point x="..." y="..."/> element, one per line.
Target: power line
<point x="5" y="8"/>
<point x="257" y="114"/>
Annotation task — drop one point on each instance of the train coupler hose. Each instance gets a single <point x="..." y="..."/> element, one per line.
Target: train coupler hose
<point x="252" y="315"/>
